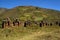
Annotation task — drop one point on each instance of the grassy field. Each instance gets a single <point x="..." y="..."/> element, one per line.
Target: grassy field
<point x="24" y="13"/>
<point x="30" y="33"/>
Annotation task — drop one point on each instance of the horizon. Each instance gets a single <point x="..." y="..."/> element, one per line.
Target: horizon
<point x="49" y="4"/>
<point x="30" y="5"/>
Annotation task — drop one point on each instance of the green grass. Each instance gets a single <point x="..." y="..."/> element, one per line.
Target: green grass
<point x="18" y="33"/>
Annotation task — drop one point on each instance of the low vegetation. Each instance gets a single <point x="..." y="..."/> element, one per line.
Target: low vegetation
<point x="30" y="32"/>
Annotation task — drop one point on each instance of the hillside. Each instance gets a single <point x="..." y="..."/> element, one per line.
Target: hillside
<point x="30" y="12"/>
<point x="31" y="32"/>
<point x="2" y="10"/>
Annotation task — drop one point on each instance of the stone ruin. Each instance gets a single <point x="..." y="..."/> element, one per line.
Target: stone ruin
<point x="16" y="22"/>
<point x="8" y="23"/>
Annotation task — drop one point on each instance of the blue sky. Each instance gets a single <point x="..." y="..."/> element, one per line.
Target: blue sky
<point x="50" y="4"/>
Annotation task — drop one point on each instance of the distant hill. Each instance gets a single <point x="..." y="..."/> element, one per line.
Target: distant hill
<point x="30" y="12"/>
<point x="2" y="10"/>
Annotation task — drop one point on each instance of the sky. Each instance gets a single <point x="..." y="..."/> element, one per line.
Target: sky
<point x="50" y="4"/>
